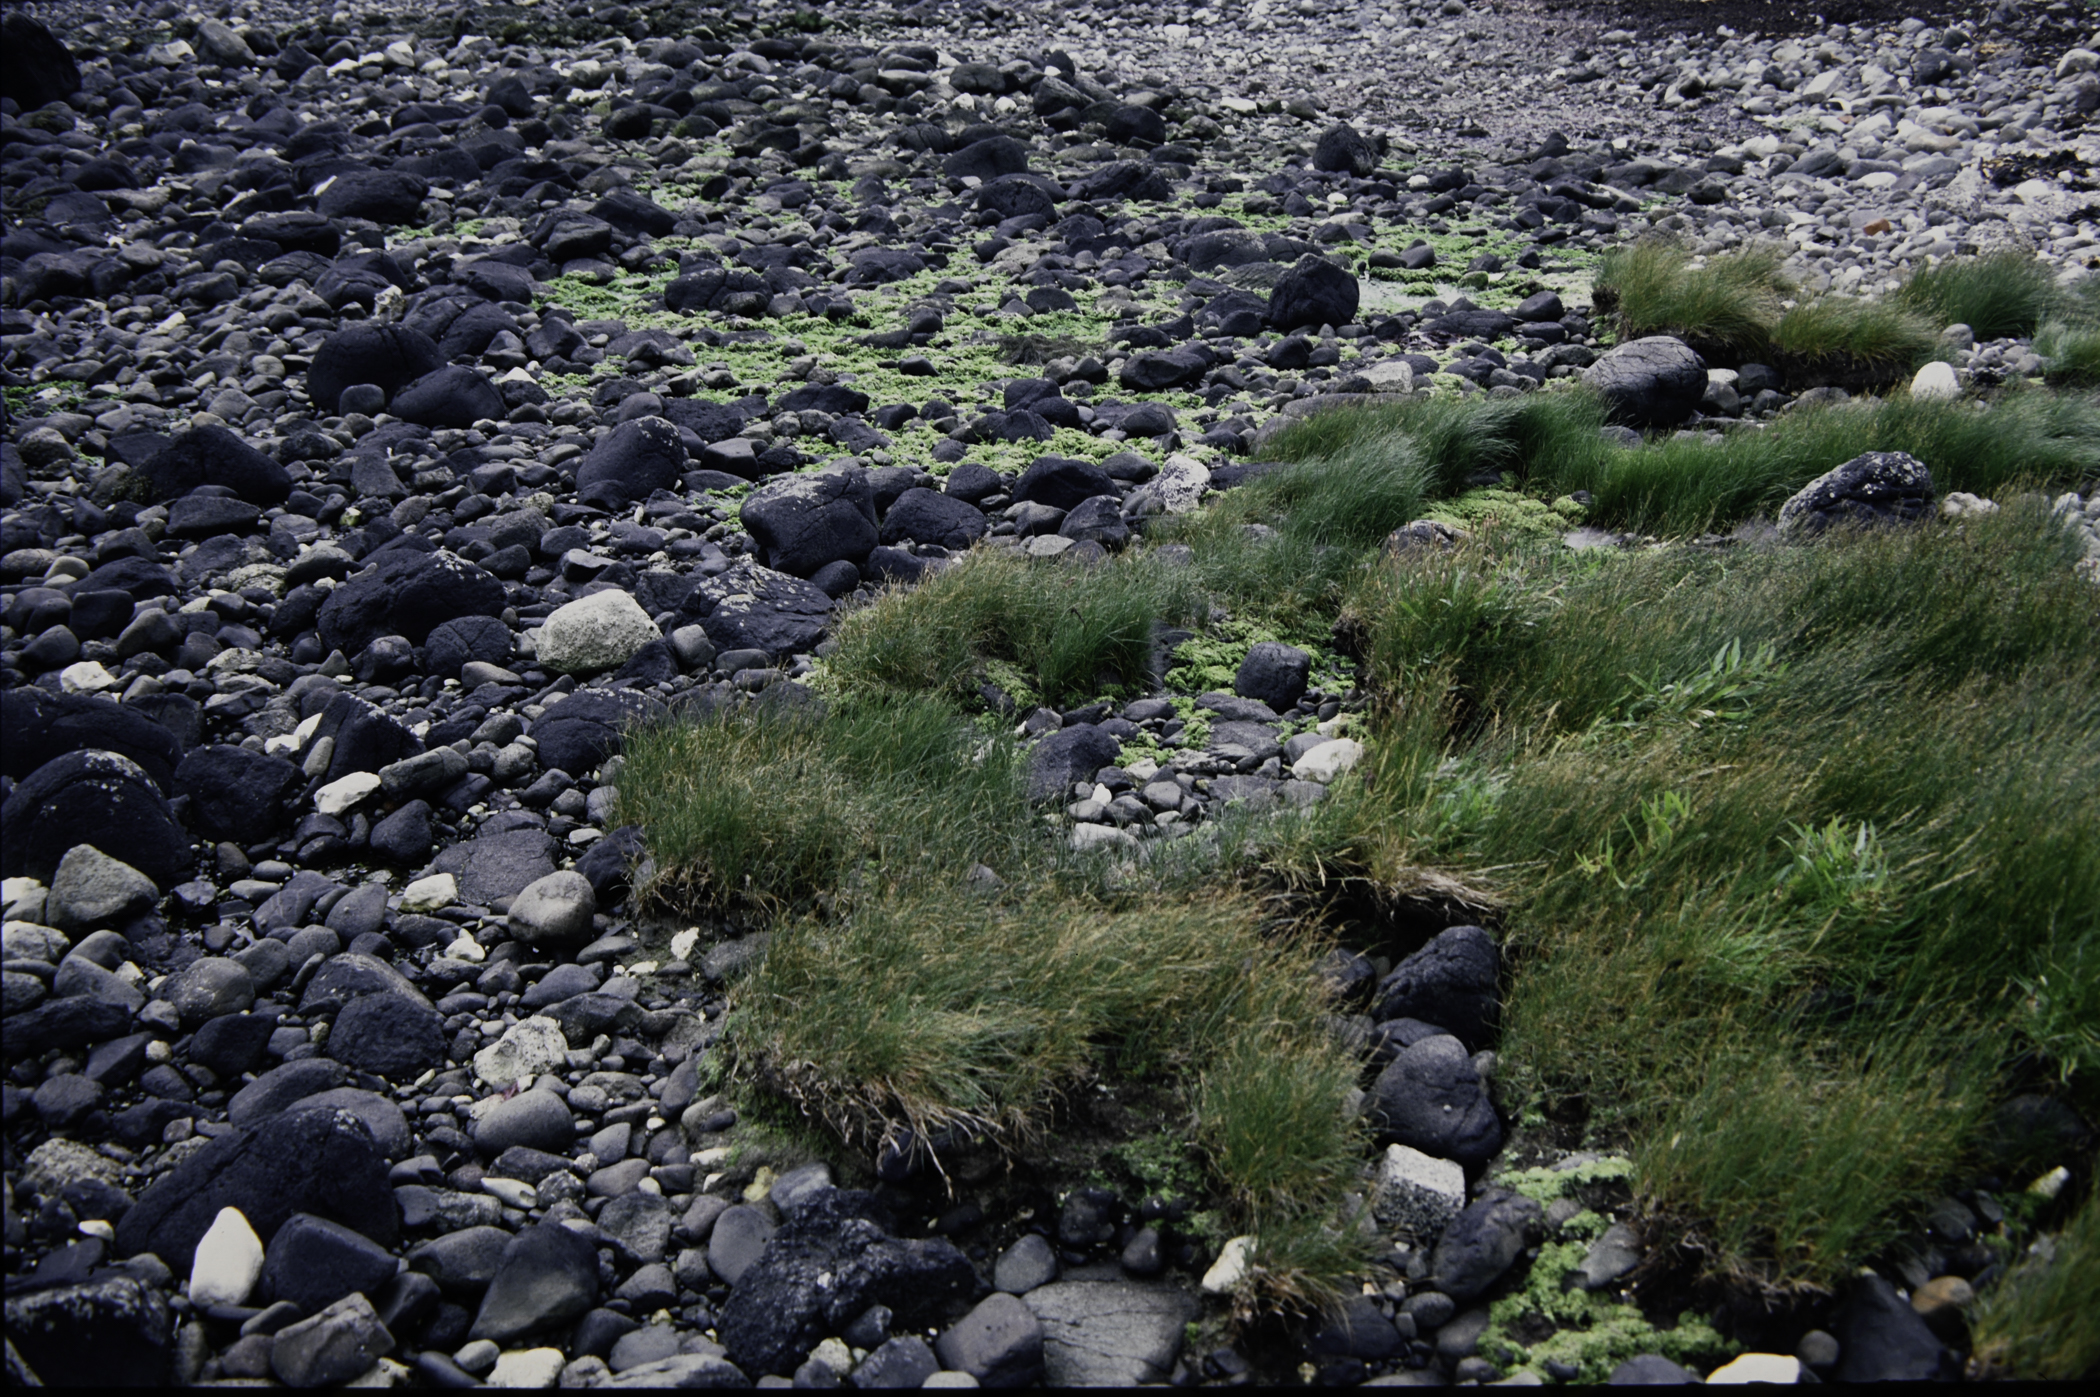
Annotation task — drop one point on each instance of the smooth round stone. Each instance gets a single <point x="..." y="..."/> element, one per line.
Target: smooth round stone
<point x="555" y="910"/>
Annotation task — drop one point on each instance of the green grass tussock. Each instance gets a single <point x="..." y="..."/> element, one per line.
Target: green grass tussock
<point x="897" y="994"/>
<point x="1998" y="295"/>
<point x="2070" y="352"/>
<point x="1850" y="341"/>
<point x="770" y="808"/>
<point x="1725" y="309"/>
<point x="1752" y="814"/>
<point x="1072" y="633"/>
<point x="1402" y="458"/>
<point x="1683" y="485"/>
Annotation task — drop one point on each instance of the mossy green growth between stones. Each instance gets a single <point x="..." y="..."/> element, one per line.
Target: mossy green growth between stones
<point x="1592" y="1334"/>
<point x="1545" y="1185"/>
<point x="1513" y="518"/>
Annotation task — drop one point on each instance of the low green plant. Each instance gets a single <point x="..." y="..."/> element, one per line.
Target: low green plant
<point x="1592" y="1334"/>
<point x="1998" y="294"/>
<point x="1726" y="307"/>
<point x="2037" y="1321"/>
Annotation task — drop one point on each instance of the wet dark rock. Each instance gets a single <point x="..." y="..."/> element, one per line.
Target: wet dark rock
<point x="1314" y="292"/>
<point x="1068" y="756"/>
<point x="39" y="726"/>
<point x="1877" y="488"/>
<point x="1273" y="674"/>
<point x="216" y="456"/>
<point x="388" y="356"/>
<point x="1061" y="482"/>
<point x="639" y="456"/>
<point x="1881" y="1338"/>
<point x="1429" y="1098"/>
<point x="388" y="1035"/>
<point x="238" y="794"/>
<point x="1450" y="982"/>
<point x="548" y="1275"/>
<point x="313" y="1161"/>
<point x="406" y="594"/>
<point x="96" y="798"/>
<point x="805" y="522"/>
<point x="454" y="396"/>
<point x="108" y="1331"/>
<point x="824" y="1267"/>
<point x="314" y="1262"/>
<point x="584" y="729"/>
<point x="1652" y="382"/>
<point x="36" y="71"/>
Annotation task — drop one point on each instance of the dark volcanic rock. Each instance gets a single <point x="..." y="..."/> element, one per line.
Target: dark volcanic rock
<point x="1315" y="292"/>
<point x="388" y="1035"/>
<point x="754" y="608"/>
<point x="1881" y="1338"/>
<point x="216" y="456"/>
<point x="96" y="798"/>
<point x="1880" y="487"/>
<point x="36" y="70"/>
<point x="548" y="1275"/>
<point x="406" y="594"/>
<point x="237" y="794"/>
<point x="112" y="1330"/>
<point x="1652" y="382"/>
<point x="637" y="457"/>
<point x="454" y="396"/>
<point x="1067" y="756"/>
<point x="806" y="521"/>
<point x="303" y="1161"/>
<point x="1450" y="982"/>
<point x="1429" y="1098"/>
<point x="498" y="865"/>
<point x="825" y="1266"/>
<point x="389" y="356"/>
<point x="1483" y="1242"/>
<point x="584" y="729"/>
<point x="37" y="726"/>
<point x="314" y="1262"/>
<point x="1061" y="482"/>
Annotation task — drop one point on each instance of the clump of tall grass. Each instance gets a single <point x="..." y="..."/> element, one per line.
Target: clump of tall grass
<point x="900" y="993"/>
<point x="1850" y="341"/>
<point x="1750" y="814"/>
<point x="1725" y="309"/>
<point x="1683" y="485"/>
<point x="1403" y="455"/>
<point x="769" y="807"/>
<point x="1073" y="632"/>
<point x="932" y="1014"/>
<point x="2070" y="352"/>
<point x="1998" y="294"/>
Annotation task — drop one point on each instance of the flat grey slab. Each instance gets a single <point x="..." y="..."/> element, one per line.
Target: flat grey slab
<point x="1109" y="1333"/>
